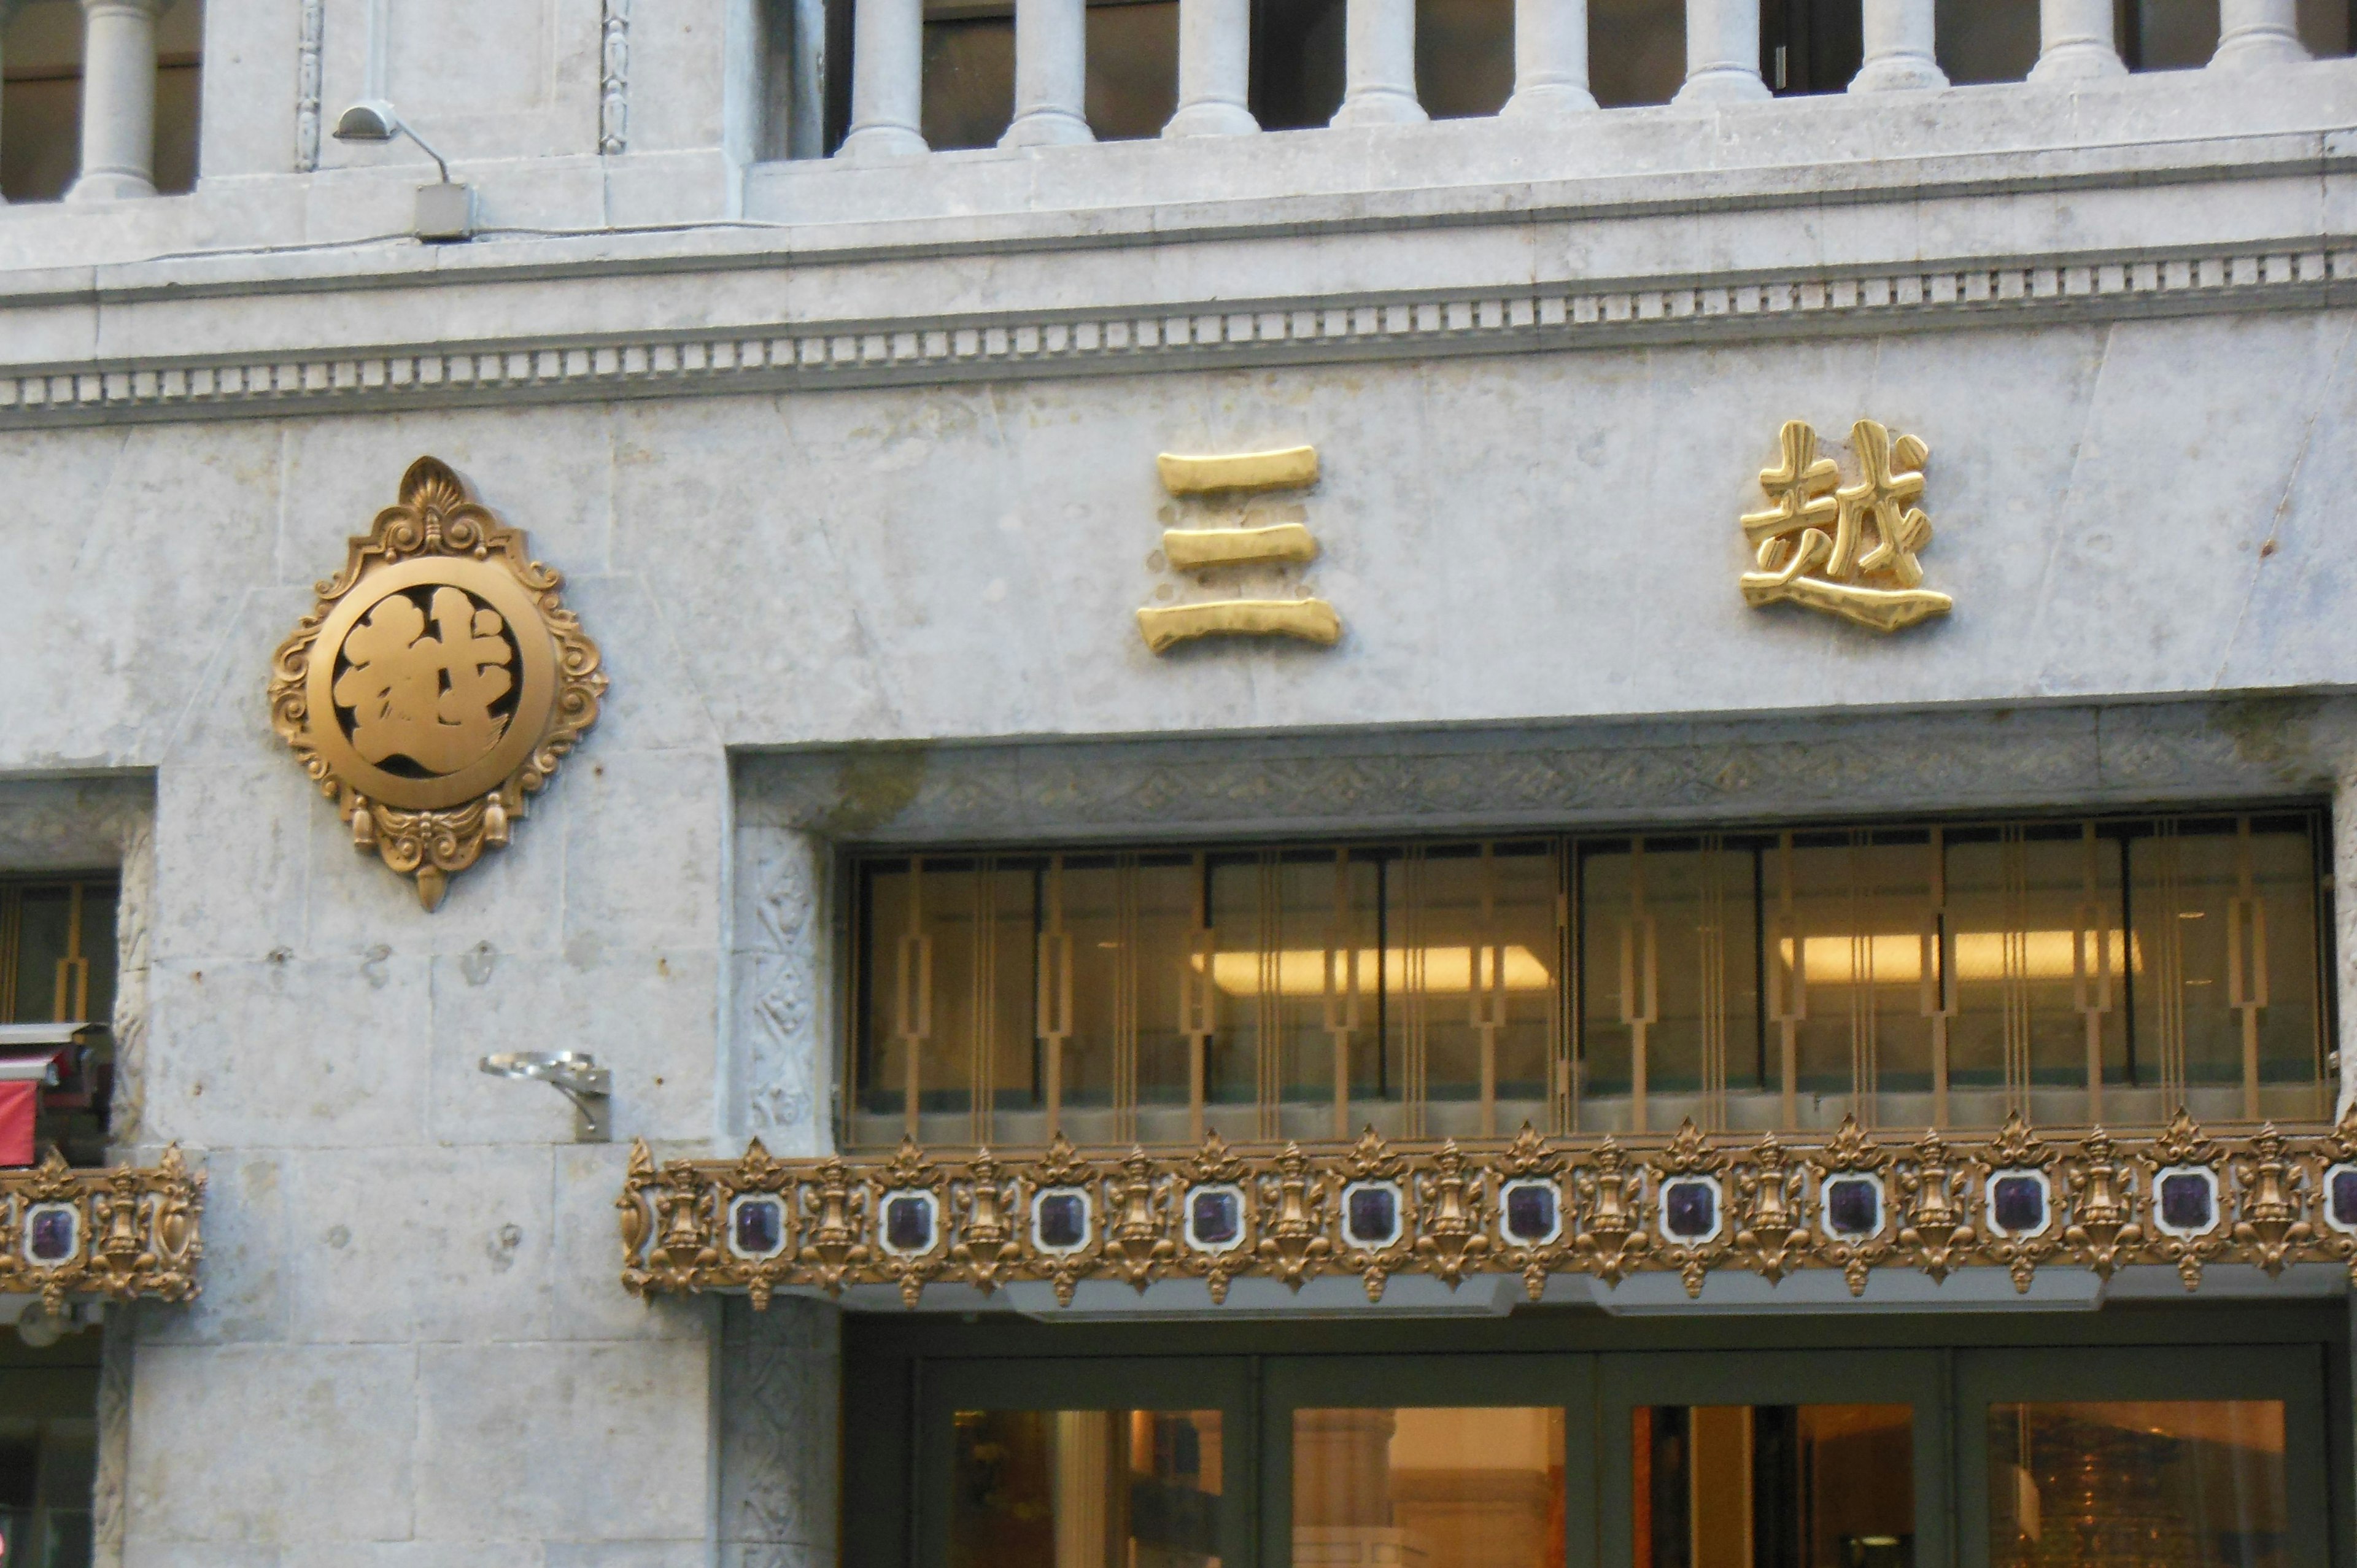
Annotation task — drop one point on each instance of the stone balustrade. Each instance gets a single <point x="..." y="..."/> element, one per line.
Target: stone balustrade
<point x="2078" y="42"/>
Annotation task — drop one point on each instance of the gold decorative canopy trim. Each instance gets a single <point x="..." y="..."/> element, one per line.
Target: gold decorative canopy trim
<point x="438" y="681"/>
<point x="1288" y="469"/>
<point x="1848" y="550"/>
<point x="127" y="1232"/>
<point x="1689" y="1205"/>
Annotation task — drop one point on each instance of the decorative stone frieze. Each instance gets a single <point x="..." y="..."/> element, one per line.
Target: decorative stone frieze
<point x="1131" y="339"/>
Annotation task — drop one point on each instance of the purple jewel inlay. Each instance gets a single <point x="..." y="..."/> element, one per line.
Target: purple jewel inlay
<point x="53" y="1235"/>
<point x="1689" y="1210"/>
<point x="2344" y="1197"/>
<point x="1063" y="1220"/>
<point x="2019" y="1203"/>
<point x="760" y="1225"/>
<point x="1373" y="1217"/>
<point x="2185" y="1201"/>
<point x="909" y="1223"/>
<point x="1529" y="1213"/>
<point x="1217" y="1216"/>
<point x="1853" y="1207"/>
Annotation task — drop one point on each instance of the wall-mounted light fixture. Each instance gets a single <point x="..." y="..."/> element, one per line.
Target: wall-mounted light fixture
<point x="445" y="211"/>
<point x="575" y="1076"/>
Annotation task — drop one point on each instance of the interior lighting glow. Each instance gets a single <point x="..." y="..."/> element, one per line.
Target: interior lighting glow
<point x="1448" y="971"/>
<point x="1897" y="959"/>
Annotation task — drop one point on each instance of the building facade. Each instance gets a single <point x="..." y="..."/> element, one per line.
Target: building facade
<point x="1439" y="783"/>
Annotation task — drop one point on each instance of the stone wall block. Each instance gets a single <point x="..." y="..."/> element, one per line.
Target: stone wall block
<point x="421" y="1245"/>
<point x="585" y="1296"/>
<point x="319" y="1052"/>
<point x="233" y="857"/>
<point x="644" y="841"/>
<point x="250" y="1256"/>
<point x="581" y="1443"/>
<point x="257" y="1445"/>
<point x="654" y="703"/>
<point x="70" y="824"/>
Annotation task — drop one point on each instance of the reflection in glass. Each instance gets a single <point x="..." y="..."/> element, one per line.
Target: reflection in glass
<point x="1427" y="1488"/>
<point x="1816" y="1486"/>
<point x="2186" y="1483"/>
<point x="1086" y="1488"/>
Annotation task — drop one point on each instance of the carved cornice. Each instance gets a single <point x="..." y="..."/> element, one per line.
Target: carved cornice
<point x="1131" y="339"/>
<point x="126" y="1232"/>
<point x="1691" y="1205"/>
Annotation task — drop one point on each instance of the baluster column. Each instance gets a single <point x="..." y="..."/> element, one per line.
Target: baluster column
<point x="1379" y="65"/>
<point x="2078" y="40"/>
<point x="1899" y="48"/>
<point x="887" y="79"/>
<point x="2255" y="34"/>
<point x="118" y="101"/>
<point x="1722" y="52"/>
<point x="1214" y="70"/>
<point x="1550" y="60"/>
<point x="1052" y="74"/>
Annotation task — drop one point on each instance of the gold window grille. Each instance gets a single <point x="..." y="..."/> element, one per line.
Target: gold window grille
<point x="1910" y="974"/>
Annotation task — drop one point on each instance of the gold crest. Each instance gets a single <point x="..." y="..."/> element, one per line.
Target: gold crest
<point x="438" y="681"/>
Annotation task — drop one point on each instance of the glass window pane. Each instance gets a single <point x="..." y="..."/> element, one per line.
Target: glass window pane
<point x="1429" y="1487"/>
<point x="2188" y="1483"/>
<point x="1086" y="1488"/>
<point x="1464" y="56"/>
<point x="1817" y="1486"/>
<point x="969" y="75"/>
<point x="44" y="937"/>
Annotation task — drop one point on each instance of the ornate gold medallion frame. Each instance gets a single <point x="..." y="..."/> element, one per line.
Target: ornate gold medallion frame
<point x="429" y="742"/>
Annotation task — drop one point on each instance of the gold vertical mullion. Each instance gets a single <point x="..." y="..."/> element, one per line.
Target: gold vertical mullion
<point x="1414" y="1042"/>
<point x="2246" y="975"/>
<point x="1864" y="1066"/>
<point x="1199" y="997"/>
<point x="981" y="1063"/>
<point x="1268" y="1032"/>
<point x="1052" y="1005"/>
<point x="2013" y="856"/>
<point x="11" y="937"/>
<point x="1563" y="1018"/>
<point x="1127" y="896"/>
<point x="1485" y="988"/>
<point x="1640" y="984"/>
<point x="1936" y="972"/>
<point x="1710" y="935"/>
<point x="2170" y="963"/>
<point x="1788" y="970"/>
<point x="913" y="996"/>
<point x="1341" y="989"/>
<point x="2090" y="969"/>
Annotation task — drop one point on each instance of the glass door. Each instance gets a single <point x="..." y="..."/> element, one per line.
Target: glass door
<point x="1107" y="1463"/>
<point x="2110" y="1456"/>
<point x="1817" y="1459"/>
<point x="1427" y="1462"/>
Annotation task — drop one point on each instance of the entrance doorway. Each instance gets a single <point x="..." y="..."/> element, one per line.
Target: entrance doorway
<point x="2186" y="1437"/>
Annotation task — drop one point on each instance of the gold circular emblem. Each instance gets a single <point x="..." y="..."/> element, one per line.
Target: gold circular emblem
<point x="439" y="683"/>
<point x="431" y="682"/>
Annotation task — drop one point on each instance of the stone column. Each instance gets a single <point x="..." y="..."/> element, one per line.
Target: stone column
<point x="2254" y="35"/>
<point x="887" y="79"/>
<point x="1379" y="67"/>
<point x="1550" y="60"/>
<point x="1722" y="52"/>
<point x="118" y="101"/>
<point x="1078" y="1488"/>
<point x="2078" y="40"/>
<point x="1899" y="48"/>
<point x="1052" y="74"/>
<point x="1214" y="70"/>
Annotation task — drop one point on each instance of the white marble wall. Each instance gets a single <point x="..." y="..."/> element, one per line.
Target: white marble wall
<point x="411" y="1349"/>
